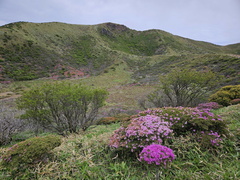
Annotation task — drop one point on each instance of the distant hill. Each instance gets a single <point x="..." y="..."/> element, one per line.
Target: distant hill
<point x="58" y="50"/>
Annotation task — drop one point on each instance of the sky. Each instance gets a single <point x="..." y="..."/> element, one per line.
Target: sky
<point x="214" y="21"/>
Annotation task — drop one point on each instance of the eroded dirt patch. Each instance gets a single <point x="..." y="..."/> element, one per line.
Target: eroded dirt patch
<point x="8" y="95"/>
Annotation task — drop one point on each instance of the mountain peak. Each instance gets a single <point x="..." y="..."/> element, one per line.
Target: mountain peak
<point x="33" y="50"/>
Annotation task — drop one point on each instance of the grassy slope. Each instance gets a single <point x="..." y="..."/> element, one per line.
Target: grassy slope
<point x="118" y="56"/>
<point x="31" y="50"/>
<point x="124" y="92"/>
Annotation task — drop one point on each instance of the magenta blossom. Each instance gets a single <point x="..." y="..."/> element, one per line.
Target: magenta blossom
<point x="141" y="131"/>
<point x="209" y="106"/>
<point x="157" y="154"/>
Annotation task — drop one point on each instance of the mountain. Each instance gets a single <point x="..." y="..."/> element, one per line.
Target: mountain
<point x="58" y="50"/>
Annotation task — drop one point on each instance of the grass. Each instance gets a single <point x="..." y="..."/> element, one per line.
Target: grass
<point x="117" y="80"/>
<point x="87" y="156"/>
<point x="231" y="114"/>
<point x="33" y="50"/>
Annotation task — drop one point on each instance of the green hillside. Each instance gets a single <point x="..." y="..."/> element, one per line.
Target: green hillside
<point x="57" y="50"/>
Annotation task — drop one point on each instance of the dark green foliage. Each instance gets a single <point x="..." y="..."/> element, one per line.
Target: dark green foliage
<point x="226" y="94"/>
<point x="21" y="74"/>
<point x="184" y="87"/>
<point x="145" y="43"/>
<point x="83" y="50"/>
<point x="85" y="53"/>
<point x="26" y="61"/>
<point x="62" y="107"/>
<point x="231" y="115"/>
<point x="29" y="152"/>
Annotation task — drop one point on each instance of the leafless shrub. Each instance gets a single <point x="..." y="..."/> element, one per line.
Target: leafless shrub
<point x="9" y="121"/>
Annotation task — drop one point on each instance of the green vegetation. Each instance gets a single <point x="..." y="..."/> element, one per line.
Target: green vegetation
<point x="26" y="153"/>
<point x="133" y="43"/>
<point x="87" y="156"/>
<point x="183" y="87"/>
<point x="83" y="52"/>
<point x="185" y="121"/>
<point x="231" y="115"/>
<point x="227" y="95"/>
<point x="31" y="50"/>
<point x="62" y="107"/>
<point x="128" y="64"/>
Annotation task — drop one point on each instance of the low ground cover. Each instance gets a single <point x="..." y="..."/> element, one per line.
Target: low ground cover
<point x="88" y="156"/>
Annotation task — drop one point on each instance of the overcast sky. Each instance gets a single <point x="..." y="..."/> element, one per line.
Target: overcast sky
<point x="215" y="21"/>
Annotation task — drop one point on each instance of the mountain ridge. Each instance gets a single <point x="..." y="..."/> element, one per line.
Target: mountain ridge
<point x="36" y="50"/>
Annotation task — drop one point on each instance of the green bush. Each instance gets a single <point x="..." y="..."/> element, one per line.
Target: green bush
<point x="226" y="94"/>
<point x="183" y="87"/>
<point x="29" y="152"/>
<point x="62" y="107"/>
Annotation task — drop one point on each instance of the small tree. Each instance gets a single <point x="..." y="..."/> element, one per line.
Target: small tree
<point x="183" y="88"/>
<point x="62" y="107"/>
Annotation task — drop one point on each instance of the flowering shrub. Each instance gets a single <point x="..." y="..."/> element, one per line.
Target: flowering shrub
<point x="156" y="126"/>
<point x="192" y="121"/>
<point x="157" y="154"/>
<point x="185" y="120"/>
<point x="140" y="132"/>
<point x="209" y="106"/>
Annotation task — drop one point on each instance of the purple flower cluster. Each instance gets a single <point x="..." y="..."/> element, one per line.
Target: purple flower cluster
<point x="157" y="154"/>
<point x="205" y="114"/>
<point x="209" y="139"/>
<point x="117" y="139"/>
<point x="209" y="106"/>
<point x="185" y="120"/>
<point x="215" y="138"/>
<point x="141" y="131"/>
<point x="178" y="114"/>
<point x="156" y="126"/>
